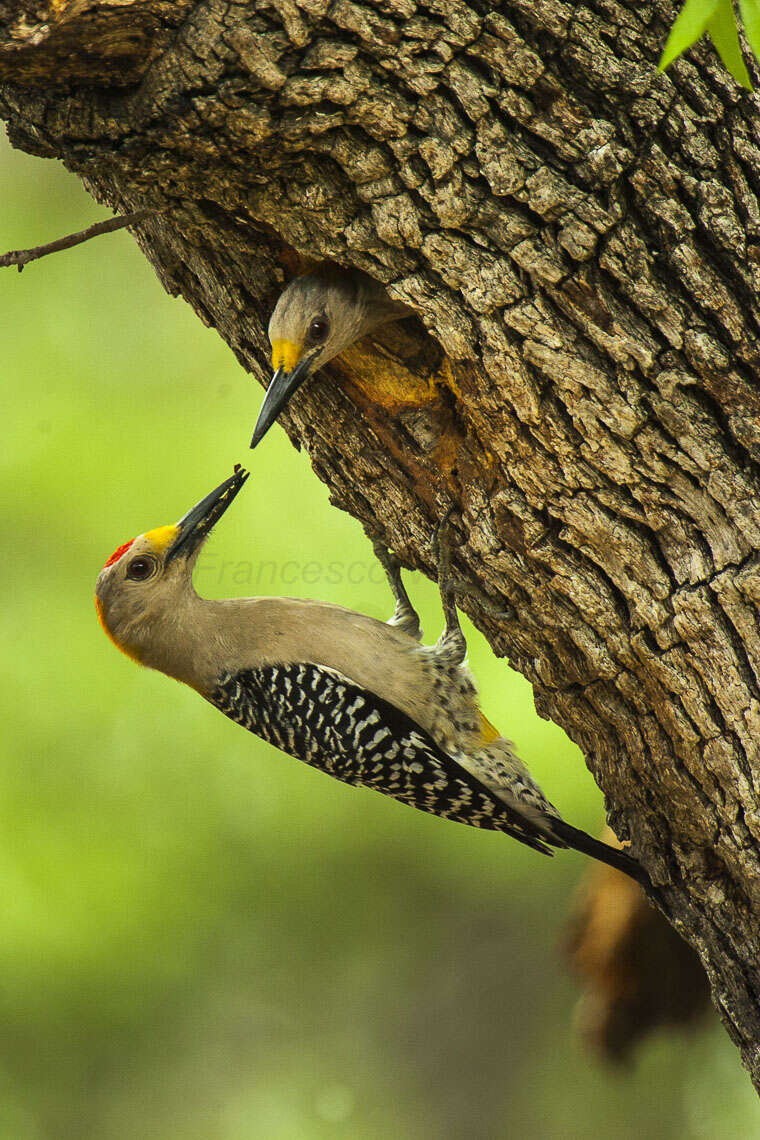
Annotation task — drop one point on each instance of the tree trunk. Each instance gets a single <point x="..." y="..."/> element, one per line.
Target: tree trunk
<point x="580" y="238"/>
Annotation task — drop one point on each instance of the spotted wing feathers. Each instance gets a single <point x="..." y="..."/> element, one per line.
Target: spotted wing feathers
<point x="318" y="716"/>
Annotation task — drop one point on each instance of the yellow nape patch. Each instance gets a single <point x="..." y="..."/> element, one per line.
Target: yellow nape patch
<point x="285" y="354"/>
<point x="487" y="731"/>
<point x="161" y="537"/>
<point x="109" y="635"/>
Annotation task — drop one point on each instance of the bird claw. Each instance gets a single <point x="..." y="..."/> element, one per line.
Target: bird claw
<point x="465" y="590"/>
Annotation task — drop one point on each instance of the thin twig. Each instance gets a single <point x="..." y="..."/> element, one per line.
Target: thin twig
<point x="19" y="257"/>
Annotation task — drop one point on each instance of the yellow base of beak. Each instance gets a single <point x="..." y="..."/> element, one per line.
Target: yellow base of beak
<point x="285" y="354"/>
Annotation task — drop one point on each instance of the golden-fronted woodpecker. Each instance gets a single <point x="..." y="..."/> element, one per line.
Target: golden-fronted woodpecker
<point x="316" y="317"/>
<point x="358" y="698"/>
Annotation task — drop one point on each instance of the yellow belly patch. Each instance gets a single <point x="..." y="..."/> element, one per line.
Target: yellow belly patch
<point x="487" y="731"/>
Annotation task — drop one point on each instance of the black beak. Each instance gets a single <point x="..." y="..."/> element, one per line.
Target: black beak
<point x="281" y="388"/>
<point x="196" y="524"/>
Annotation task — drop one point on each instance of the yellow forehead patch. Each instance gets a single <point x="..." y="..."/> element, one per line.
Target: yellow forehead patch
<point x="161" y="537"/>
<point x="285" y="354"/>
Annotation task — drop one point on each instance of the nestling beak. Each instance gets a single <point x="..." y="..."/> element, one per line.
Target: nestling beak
<point x="193" y="527"/>
<point x="281" y="387"/>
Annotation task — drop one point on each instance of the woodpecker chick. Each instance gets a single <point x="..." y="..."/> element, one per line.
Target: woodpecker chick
<point x="358" y="698"/>
<point x="316" y="317"/>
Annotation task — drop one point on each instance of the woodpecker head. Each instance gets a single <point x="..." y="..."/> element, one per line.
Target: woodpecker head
<point x="141" y="588"/>
<point x="316" y="318"/>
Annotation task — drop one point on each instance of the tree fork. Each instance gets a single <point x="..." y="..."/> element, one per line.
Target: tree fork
<point x="580" y="237"/>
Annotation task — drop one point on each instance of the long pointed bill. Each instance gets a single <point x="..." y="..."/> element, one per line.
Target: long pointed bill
<point x="193" y="527"/>
<point x="281" y="388"/>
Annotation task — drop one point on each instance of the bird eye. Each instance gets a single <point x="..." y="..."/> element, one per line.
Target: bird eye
<point x="141" y="568"/>
<point x="319" y="330"/>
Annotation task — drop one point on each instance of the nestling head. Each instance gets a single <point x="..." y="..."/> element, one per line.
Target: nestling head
<point x="145" y="581"/>
<point x="315" y="319"/>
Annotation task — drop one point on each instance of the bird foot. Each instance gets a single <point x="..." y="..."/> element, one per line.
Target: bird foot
<point x="405" y="616"/>
<point x="451" y="645"/>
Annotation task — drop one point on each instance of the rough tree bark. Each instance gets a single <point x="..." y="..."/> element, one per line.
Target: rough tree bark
<point x="580" y="238"/>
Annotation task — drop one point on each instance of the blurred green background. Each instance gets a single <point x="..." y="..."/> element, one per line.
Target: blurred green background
<point x="202" y="939"/>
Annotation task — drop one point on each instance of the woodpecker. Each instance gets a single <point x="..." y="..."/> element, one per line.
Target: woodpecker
<point x="358" y="698"/>
<point x="316" y="317"/>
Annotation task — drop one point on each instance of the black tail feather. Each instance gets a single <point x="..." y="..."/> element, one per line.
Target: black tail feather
<point x="612" y="856"/>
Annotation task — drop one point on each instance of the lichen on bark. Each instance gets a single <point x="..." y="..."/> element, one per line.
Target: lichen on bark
<point x="579" y="237"/>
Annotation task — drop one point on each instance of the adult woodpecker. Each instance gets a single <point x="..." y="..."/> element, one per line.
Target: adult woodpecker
<point x="358" y="698"/>
<point x="316" y="317"/>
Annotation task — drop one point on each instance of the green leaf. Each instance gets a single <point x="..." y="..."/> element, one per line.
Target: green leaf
<point x="725" y="36"/>
<point x="691" y="23"/>
<point x="750" y="10"/>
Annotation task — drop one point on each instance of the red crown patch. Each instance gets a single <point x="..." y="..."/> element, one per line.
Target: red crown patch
<point x="118" y="553"/>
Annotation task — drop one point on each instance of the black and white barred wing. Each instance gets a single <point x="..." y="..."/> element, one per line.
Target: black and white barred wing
<point x="319" y="716"/>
